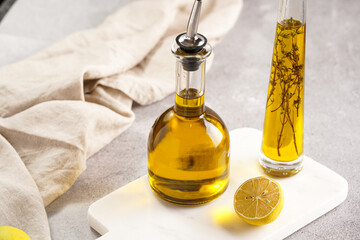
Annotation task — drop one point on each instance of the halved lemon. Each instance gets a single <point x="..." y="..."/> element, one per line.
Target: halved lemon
<point x="12" y="233"/>
<point x="259" y="200"/>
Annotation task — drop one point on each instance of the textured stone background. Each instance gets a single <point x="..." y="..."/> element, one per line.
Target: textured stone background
<point x="236" y="89"/>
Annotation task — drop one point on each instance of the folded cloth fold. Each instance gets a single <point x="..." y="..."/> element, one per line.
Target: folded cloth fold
<point x="63" y="104"/>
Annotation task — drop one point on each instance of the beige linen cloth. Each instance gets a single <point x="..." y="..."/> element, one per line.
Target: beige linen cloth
<point x="62" y="105"/>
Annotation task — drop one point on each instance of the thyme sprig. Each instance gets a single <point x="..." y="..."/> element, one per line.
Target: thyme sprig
<point x="286" y="74"/>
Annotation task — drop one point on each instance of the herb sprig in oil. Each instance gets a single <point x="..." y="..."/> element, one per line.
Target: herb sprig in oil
<point x="284" y="108"/>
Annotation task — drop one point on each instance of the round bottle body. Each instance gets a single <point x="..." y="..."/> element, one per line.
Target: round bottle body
<point x="188" y="158"/>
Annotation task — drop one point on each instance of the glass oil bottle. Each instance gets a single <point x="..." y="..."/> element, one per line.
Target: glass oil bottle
<point x="282" y="145"/>
<point x="188" y="145"/>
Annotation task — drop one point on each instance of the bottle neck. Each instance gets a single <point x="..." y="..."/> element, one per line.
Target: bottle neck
<point x="190" y="88"/>
<point x="292" y="10"/>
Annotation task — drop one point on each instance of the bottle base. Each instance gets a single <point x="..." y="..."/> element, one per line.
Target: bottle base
<point x="188" y="202"/>
<point x="187" y="192"/>
<point x="280" y="169"/>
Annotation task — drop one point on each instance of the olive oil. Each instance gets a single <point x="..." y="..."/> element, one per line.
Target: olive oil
<point x="188" y="152"/>
<point x="282" y="144"/>
<point x="284" y="117"/>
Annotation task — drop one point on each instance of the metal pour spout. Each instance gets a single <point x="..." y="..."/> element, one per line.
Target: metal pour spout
<point x="194" y="19"/>
<point x="191" y="41"/>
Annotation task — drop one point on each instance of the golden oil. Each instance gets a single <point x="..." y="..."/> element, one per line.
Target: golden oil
<point x="188" y="152"/>
<point x="284" y="116"/>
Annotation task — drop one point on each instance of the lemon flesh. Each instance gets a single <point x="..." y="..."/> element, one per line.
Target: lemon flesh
<point x="259" y="200"/>
<point x="11" y="233"/>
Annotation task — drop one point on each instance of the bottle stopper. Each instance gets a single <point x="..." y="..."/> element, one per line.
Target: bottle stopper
<point x="191" y="42"/>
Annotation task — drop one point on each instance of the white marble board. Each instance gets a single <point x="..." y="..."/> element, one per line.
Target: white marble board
<point x="134" y="212"/>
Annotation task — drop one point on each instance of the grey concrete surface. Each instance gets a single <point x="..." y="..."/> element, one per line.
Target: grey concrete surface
<point x="236" y="89"/>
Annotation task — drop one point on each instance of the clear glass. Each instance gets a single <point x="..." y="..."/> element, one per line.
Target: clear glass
<point x="282" y="143"/>
<point x="190" y="79"/>
<point x="189" y="93"/>
<point x="188" y="145"/>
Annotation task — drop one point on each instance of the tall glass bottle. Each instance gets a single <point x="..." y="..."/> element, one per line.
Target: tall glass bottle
<point x="188" y="145"/>
<point x="282" y="145"/>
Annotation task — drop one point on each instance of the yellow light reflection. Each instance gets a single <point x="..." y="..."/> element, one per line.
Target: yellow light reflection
<point x="226" y="217"/>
